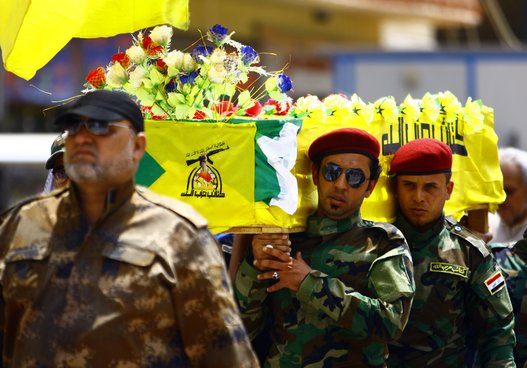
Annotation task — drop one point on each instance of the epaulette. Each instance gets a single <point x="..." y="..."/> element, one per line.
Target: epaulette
<point x="390" y="230"/>
<point x="472" y="238"/>
<point x="498" y="246"/>
<point x="180" y="208"/>
<point x="35" y="197"/>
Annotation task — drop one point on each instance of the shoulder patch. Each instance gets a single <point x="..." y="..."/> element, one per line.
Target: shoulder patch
<point x="495" y="283"/>
<point x="466" y="234"/>
<point x="180" y="208"/>
<point x="449" y="268"/>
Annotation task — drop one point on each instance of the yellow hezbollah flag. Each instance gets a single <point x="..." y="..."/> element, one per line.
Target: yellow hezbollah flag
<point x="34" y="31"/>
<point x="207" y="165"/>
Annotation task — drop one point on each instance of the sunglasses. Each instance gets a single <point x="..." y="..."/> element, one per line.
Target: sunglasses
<point x="355" y="177"/>
<point x="59" y="173"/>
<point x="95" y="127"/>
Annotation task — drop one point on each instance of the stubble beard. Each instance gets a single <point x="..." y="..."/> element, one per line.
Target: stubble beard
<point x="91" y="172"/>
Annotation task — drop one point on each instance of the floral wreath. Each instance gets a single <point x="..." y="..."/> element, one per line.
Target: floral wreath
<point x="213" y="82"/>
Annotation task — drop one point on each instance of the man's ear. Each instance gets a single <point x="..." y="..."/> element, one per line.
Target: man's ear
<point x="371" y="186"/>
<point x="139" y="146"/>
<point x="449" y="189"/>
<point x="314" y="173"/>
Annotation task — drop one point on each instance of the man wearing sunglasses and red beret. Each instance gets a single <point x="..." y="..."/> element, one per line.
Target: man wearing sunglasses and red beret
<point x="348" y="288"/>
<point x="106" y="274"/>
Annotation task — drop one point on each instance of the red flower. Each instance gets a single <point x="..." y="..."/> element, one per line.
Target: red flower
<point x="151" y="48"/>
<point x="281" y="107"/>
<point x="199" y="115"/>
<point x="224" y="108"/>
<point x="148" y="114"/>
<point x="97" y="77"/>
<point x="161" y="66"/>
<point x="122" y="59"/>
<point x="254" y="110"/>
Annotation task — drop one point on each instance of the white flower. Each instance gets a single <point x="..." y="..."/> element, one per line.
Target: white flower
<point x="136" y="77"/>
<point x="116" y="75"/>
<point x="189" y="64"/>
<point x="161" y="35"/>
<point x="217" y="73"/>
<point x="174" y="59"/>
<point x="218" y="56"/>
<point x="136" y="54"/>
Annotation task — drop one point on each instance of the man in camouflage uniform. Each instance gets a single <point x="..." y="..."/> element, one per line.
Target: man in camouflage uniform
<point x="106" y="274"/>
<point x="512" y="259"/>
<point x="348" y="290"/>
<point x="460" y="290"/>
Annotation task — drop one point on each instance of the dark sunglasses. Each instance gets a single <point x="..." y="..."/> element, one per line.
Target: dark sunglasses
<point x="59" y="173"/>
<point x="354" y="177"/>
<point x="95" y="127"/>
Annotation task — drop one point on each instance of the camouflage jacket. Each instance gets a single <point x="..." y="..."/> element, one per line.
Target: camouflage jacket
<point x="460" y="291"/>
<point x="145" y="286"/>
<point x="514" y="264"/>
<point x="356" y="298"/>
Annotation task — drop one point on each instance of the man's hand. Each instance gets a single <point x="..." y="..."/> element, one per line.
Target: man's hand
<point x="290" y="272"/>
<point x="279" y="242"/>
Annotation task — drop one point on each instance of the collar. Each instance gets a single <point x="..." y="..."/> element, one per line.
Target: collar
<point x="520" y="249"/>
<point x="114" y="197"/>
<point x="415" y="237"/>
<point x="318" y="226"/>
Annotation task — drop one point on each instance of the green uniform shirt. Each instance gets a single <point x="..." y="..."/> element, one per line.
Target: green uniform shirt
<point x="355" y="300"/>
<point x="145" y="286"/>
<point x="514" y="264"/>
<point x="460" y="291"/>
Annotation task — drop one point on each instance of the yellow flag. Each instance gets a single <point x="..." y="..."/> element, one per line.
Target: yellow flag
<point x="475" y="169"/>
<point x="207" y="165"/>
<point x="34" y="31"/>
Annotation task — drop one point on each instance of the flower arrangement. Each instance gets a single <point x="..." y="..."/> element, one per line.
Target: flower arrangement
<point x="443" y="106"/>
<point x="218" y="79"/>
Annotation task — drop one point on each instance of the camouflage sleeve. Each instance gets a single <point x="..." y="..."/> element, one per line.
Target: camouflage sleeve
<point x="211" y="328"/>
<point x="381" y="317"/>
<point x="491" y="316"/>
<point x="251" y="294"/>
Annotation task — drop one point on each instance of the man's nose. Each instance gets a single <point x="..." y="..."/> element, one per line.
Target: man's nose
<point x="341" y="181"/>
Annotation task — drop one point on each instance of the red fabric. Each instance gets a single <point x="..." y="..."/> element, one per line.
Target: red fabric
<point x="421" y="157"/>
<point x="346" y="140"/>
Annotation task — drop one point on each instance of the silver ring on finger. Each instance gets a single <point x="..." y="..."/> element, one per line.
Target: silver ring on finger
<point x="275" y="276"/>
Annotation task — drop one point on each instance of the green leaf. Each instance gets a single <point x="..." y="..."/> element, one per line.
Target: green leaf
<point x="156" y="77"/>
<point x="244" y="98"/>
<point x="145" y="97"/>
<point x="181" y="111"/>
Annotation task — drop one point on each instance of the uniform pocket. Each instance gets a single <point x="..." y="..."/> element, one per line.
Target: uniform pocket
<point x="24" y="271"/>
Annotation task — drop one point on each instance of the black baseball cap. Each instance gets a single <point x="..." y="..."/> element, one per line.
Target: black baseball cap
<point x="57" y="149"/>
<point x="104" y="105"/>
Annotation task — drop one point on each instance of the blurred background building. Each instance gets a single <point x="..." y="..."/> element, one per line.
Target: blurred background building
<point x="373" y="48"/>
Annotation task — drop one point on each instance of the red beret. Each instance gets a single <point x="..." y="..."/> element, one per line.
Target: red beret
<point x="422" y="157"/>
<point x="346" y="140"/>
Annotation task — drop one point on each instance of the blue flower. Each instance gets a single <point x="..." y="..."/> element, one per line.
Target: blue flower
<point x="284" y="83"/>
<point x="217" y="33"/>
<point x="249" y="56"/>
<point x="201" y="51"/>
<point x="171" y="87"/>
<point x="188" y="78"/>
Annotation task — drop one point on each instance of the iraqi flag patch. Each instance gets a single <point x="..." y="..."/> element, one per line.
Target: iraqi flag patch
<point x="495" y="283"/>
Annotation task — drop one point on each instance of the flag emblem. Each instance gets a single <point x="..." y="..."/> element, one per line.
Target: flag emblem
<point x="495" y="283"/>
